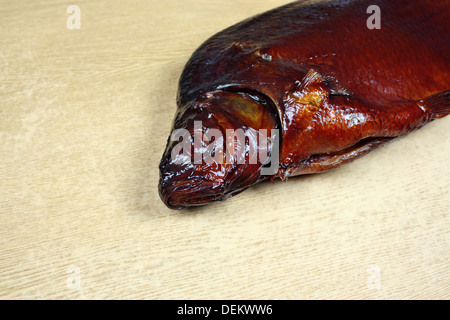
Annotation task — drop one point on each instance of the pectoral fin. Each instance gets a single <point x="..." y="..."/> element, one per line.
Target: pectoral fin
<point x="321" y="118"/>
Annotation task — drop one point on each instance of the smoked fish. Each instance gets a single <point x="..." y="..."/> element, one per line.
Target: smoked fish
<point x="331" y="84"/>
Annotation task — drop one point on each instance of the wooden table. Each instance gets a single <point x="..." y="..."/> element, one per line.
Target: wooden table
<point x="84" y="117"/>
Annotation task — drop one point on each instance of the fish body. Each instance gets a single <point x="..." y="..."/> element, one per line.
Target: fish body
<point x="334" y="89"/>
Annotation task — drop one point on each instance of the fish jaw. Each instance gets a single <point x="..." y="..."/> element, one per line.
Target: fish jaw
<point x="208" y="172"/>
<point x="181" y="186"/>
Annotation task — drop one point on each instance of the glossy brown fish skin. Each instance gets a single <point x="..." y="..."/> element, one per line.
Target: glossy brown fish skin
<point x="337" y="89"/>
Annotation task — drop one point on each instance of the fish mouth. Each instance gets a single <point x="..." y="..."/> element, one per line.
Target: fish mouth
<point x="186" y="194"/>
<point x="194" y="192"/>
<point x="179" y="188"/>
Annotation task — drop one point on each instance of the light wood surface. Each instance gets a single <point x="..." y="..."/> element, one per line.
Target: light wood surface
<point x="84" y="117"/>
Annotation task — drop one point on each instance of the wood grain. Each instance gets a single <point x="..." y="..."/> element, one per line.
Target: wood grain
<point x="84" y="117"/>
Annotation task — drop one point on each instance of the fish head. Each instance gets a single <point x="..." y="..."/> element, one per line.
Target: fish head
<point x="218" y="147"/>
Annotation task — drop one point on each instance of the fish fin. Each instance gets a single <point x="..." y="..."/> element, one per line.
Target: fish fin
<point x="312" y="77"/>
<point x="438" y="105"/>
<point x="325" y="162"/>
<point x="312" y="89"/>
